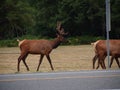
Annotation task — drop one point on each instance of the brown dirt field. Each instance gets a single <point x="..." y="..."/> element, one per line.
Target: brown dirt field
<point x="64" y="58"/>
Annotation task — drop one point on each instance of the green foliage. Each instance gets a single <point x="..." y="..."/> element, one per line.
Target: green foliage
<point x="16" y="17"/>
<point x="28" y="37"/>
<point x="89" y="39"/>
<point x="38" y="18"/>
<point x="82" y="40"/>
<point x="8" y="43"/>
<point x="71" y="40"/>
<point x="13" y="42"/>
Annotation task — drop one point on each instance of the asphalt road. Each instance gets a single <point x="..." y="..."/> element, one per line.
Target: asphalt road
<point x="83" y="80"/>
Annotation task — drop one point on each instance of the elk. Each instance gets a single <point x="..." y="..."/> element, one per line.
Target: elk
<point x="42" y="47"/>
<point x="101" y="52"/>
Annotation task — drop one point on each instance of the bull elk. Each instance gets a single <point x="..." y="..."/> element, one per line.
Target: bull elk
<point x="42" y="47"/>
<point x="101" y="52"/>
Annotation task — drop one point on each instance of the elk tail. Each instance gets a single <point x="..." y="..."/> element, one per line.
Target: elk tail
<point x="18" y="40"/>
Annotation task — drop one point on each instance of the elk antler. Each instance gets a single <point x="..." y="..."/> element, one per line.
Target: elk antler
<point x="58" y="26"/>
<point x="62" y="32"/>
<point x="60" y="29"/>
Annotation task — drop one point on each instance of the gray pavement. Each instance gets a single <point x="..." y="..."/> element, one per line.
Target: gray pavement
<point x="82" y="80"/>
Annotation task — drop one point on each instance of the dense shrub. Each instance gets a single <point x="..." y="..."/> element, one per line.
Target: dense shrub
<point x="8" y="43"/>
<point x="71" y="40"/>
<point x="82" y="40"/>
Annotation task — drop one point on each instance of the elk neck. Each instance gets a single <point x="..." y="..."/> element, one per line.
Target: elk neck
<point x="55" y="43"/>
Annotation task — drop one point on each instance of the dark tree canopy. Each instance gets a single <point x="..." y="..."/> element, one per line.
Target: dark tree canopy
<point x="39" y="17"/>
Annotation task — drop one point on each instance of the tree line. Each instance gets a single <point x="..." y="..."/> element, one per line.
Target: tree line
<point x="39" y="17"/>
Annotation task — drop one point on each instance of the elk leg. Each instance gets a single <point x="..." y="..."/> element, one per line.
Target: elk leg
<point x="117" y="62"/>
<point x="111" y="61"/>
<point x="48" y="57"/>
<point x="26" y="65"/>
<point x="25" y="62"/>
<point x="40" y="61"/>
<point x="102" y="63"/>
<point x="99" y="63"/>
<point x="94" y="60"/>
<point x="21" y="57"/>
<point x="18" y="66"/>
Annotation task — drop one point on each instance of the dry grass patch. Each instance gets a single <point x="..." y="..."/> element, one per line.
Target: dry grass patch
<point x="64" y="58"/>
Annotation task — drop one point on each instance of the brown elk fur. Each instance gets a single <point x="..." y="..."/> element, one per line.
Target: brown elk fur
<point x="101" y="52"/>
<point x="42" y="47"/>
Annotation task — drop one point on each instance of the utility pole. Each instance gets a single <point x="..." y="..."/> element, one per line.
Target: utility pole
<point x="108" y="28"/>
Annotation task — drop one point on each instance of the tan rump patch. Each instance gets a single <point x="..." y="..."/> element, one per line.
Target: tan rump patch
<point x="20" y="42"/>
<point x="94" y="45"/>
